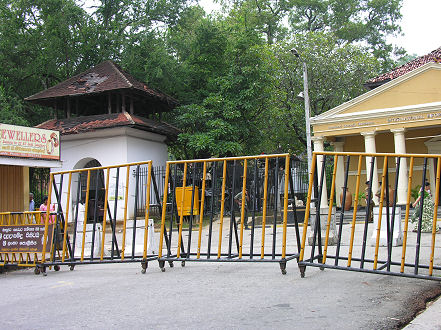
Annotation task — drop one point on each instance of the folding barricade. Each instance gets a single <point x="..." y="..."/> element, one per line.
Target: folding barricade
<point x="98" y="218"/>
<point x="21" y="237"/>
<point x="400" y="241"/>
<point x="224" y="209"/>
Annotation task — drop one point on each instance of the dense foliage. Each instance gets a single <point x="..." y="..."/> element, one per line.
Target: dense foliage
<point x="232" y="72"/>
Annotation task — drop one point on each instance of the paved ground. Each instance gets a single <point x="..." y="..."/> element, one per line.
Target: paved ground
<point x="220" y="295"/>
<point x="208" y="295"/>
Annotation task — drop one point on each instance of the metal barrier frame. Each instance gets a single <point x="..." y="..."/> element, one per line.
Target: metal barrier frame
<point x="379" y="266"/>
<point x="67" y="256"/>
<point x="183" y="256"/>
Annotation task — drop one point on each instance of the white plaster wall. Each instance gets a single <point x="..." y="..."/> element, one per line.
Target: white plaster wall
<point x="109" y="147"/>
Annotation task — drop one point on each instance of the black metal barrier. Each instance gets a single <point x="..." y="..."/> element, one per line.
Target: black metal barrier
<point x="387" y="236"/>
<point x="220" y="211"/>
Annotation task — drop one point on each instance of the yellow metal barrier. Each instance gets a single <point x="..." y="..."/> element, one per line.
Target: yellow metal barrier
<point x="399" y="241"/>
<point x="102" y="216"/>
<point x="249" y="194"/>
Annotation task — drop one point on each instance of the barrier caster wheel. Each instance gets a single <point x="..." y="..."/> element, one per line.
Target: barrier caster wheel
<point x="302" y="269"/>
<point x="183" y="264"/>
<point x="72" y="267"/>
<point x="36" y="270"/>
<point x="57" y="268"/>
<point x="170" y="263"/>
<point x="144" y="266"/>
<point x="162" y="269"/>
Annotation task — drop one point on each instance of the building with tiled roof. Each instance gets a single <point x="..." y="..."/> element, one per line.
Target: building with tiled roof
<point x="401" y="113"/>
<point x="106" y="117"/>
<point x="432" y="57"/>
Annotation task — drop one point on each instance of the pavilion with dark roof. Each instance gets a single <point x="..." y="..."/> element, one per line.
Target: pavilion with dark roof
<point x="401" y="113"/>
<point x="106" y="117"/>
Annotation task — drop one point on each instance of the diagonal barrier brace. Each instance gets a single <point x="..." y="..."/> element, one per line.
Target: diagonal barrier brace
<point x="237" y="209"/>
<point x="97" y="218"/>
<point x="392" y="231"/>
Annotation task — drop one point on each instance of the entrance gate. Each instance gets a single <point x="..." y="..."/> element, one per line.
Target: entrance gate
<point x="246" y="211"/>
<point x="399" y="241"/>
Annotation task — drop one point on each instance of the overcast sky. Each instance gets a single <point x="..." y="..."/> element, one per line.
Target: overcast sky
<point x="421" y="26"/>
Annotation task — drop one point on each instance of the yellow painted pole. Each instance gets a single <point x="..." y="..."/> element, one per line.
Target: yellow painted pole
<point x="147" y="210"/>
<point x="125" y="212"/>
<point x="67" y="217"/>
<point x="164" y="206"/>
<point x="242" y="211"/>
<point x="181" y="218"/>
<point x="224" y="175"/>
<point x="383" y="187"/>
<point x="86" y="208"/>
<point x="354" y="216"/>
<point x="265" y="197"/>
<point x="285" y="206"/>
<point x="435" y="214"/>
<point x="331" y="200"/>
<point x="46" y="223"/>
<point x="201" y="213"/>
<point x="406" y="218"/>
<point x="105" y="213"/>
<point x="308" y="206"/>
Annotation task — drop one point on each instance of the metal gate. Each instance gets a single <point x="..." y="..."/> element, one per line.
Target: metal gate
<point x="236" y="215"/>
<point x="399" y="241"/>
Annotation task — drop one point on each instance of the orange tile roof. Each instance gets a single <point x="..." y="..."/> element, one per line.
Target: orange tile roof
<point x="76" y="125"/>
<point x="434" y="56"/>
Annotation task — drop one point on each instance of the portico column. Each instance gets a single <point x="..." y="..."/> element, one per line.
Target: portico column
<point x="369" y="147"/>
<point x="340" y="175"/>
<point x="400" y="148"/>
<point x="319" y="146"/>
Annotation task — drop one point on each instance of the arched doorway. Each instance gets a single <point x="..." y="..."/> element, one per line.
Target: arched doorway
<point x="96" y="196"/>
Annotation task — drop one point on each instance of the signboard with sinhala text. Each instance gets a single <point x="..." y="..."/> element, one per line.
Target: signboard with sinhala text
<point x="24" y="238"/>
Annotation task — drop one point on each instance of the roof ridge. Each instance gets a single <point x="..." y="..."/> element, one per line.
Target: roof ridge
<point x="45" y="122"/>
<point x="120" y="73"/>
<point x="129" y="118"/>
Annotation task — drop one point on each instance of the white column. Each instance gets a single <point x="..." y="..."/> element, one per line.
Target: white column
<point x="340" y="175"/>
<point x="400" y="148"/>
<point x="369" y="147"/>
<point x="319" y="146"/>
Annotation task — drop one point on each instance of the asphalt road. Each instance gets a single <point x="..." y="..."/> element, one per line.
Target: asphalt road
<point x="207" y="296"/>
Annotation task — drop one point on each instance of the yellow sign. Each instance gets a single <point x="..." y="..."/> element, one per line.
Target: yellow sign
<point x="187" y="200"/>
<point x="29" y="142"/>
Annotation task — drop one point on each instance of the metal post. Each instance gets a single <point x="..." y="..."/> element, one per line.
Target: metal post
<point x="307" y="121"/>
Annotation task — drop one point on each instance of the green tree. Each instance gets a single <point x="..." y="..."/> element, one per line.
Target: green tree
<point x="41" y="44"/>
<point x="367" y="21"/>
<point x="228" y="80"/>
<point x="336" y="74"/>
